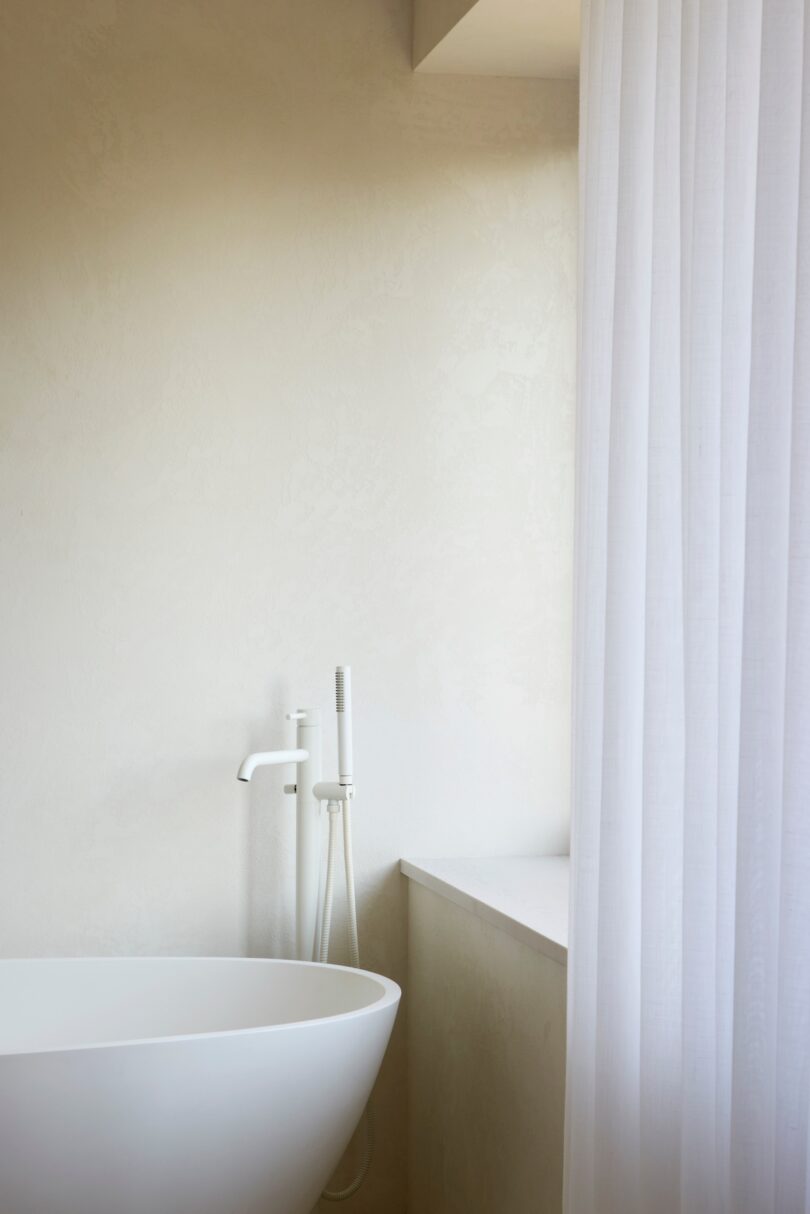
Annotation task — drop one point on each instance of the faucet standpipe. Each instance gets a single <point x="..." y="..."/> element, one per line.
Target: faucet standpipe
<point x="313" y="916"/>
<point x="308" y="821"/>
<point x="310" y="792"/>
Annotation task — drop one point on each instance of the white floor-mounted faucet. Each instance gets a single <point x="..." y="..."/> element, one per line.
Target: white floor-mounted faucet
<point x="310" y="791"/>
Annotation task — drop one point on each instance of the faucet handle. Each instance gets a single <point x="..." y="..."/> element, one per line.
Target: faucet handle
<point x="309" y="716"/>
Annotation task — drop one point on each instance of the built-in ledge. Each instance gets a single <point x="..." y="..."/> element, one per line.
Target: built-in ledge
<point x="526" y="896"/>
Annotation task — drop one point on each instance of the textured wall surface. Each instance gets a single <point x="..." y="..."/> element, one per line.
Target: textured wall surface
<point x="287" y="352"/>
<point x="486" y="1037"/>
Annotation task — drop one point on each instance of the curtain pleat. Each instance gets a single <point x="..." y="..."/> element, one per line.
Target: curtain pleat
<point x="765" y="656"/>
<point x="689" y="974"/>
<point x="793" y="1007"/>
<point x="662" y="765"/>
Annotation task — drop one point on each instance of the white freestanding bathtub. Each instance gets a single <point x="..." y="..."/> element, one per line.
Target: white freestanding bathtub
<point x="182" y="1086"/>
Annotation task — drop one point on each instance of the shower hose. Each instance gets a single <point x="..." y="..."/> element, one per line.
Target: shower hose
<point x="336" y="808"/>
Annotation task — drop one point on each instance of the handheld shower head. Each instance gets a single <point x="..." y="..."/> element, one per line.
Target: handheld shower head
<point x="343" y="705"/>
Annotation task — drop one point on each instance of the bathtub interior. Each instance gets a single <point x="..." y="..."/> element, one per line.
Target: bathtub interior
<point x="78" y="1003"/>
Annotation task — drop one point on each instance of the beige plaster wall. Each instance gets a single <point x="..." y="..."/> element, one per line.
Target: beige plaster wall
<point x="286" y="360"/>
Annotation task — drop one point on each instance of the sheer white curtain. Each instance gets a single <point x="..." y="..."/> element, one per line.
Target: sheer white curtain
<point x="689" y="983"/>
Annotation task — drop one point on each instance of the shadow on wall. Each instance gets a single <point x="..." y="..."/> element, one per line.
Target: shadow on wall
<point x="169" y="123"/>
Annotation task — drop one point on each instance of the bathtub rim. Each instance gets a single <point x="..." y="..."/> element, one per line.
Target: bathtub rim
<point x="390" y="996"/>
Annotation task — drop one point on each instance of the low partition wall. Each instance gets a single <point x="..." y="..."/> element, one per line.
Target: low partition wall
<point x="486" y="1035"/>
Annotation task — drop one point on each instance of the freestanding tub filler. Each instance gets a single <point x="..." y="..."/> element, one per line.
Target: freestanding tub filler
<point x="182" y="1086"/>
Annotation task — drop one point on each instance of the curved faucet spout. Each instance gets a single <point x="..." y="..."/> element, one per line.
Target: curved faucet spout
<point x="269" y="758"/>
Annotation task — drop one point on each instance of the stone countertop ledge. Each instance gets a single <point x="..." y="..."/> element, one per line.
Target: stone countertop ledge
<point x="525" y="896"/>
